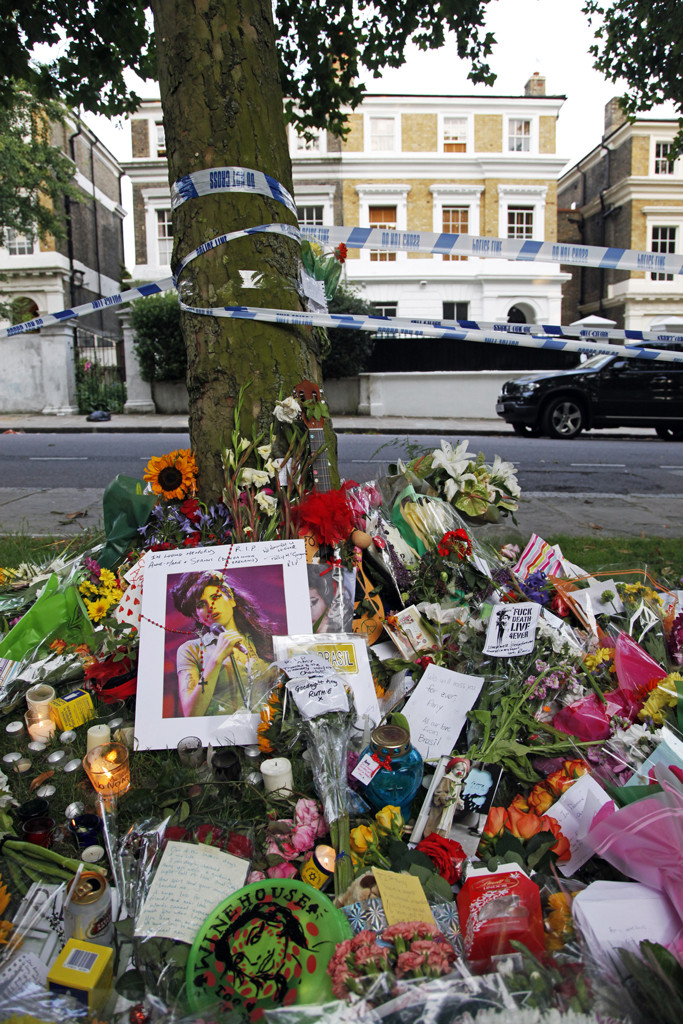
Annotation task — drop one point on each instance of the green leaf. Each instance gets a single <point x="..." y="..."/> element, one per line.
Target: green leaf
<point x="184" y="811"/>
<point x="131" y="986"/>
<point x="396" y="718"/>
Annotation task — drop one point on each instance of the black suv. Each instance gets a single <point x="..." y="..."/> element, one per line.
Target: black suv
<point x="605" y="391"/>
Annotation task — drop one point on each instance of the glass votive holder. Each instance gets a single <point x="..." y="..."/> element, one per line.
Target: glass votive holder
<point x="126" y="734"/>
<point x="16" y="732"/>
<point x="85" y="829"/>
<point x="108" y="770"/>
<point x="191" y="751"/>
<point x="39" y="697"/>
<point x="40" y="726"/>
<point x="225" y="765"/>
<point x="36" y="808"/>
<point x="38" y="831"/>
<point x="106" y="712"/>
<point x="57" y="759"/>
<point x="47" y="791"/>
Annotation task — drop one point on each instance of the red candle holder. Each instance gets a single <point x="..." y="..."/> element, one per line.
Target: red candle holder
<point x="38" y="831"/>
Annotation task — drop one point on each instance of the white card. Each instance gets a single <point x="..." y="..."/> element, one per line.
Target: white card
<point x="512" y="630"/>
<point x="437" y="709"/>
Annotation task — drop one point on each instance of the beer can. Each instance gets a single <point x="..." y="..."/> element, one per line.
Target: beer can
<point x="87" y="916"/>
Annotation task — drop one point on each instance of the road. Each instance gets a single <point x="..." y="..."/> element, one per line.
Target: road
<point x="591" y="464"/>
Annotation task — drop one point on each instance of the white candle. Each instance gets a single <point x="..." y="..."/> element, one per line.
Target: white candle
<point x="96" y="736"/>
<point x="92" y="854"/>
<point x="41" y="730"/>
<point x="277" y="775"/>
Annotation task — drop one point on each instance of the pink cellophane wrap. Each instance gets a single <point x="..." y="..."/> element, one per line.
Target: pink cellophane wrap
<point x="644" y="839"/>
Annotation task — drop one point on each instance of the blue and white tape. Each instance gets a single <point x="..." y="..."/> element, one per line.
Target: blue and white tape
<point x="395" y="327"/>
<point x="229" y="179"/>
<point x="499" y="248"/>
<point x="275" y="229"/>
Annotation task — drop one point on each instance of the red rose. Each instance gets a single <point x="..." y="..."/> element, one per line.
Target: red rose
<point x="447" y="855"/>
<point x="239" y="846"/>
<point x="190" y="508"/>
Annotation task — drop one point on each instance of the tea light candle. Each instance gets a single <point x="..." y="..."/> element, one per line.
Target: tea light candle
<point x="74" y="809"/>
<point x="56" y="759"/>
<point x="319" y="867"/>
<point x="71" y="766"/>
<point x="67" y="737"/>
<point x="254" y="779"/>
<point x="35" y="747"/>
<point x="23" y="765"/>
<point x="85" y="828"/>
<point x="16" y="731"/>
<point x="11" y="758"/>
<point x="47" y="791"/>
<point x="96" y="736"/>
<point x="115" y="724"/>
<point x="277" y="775"/>
<point x="92" y="854"/>
<point x="108" y="771"/>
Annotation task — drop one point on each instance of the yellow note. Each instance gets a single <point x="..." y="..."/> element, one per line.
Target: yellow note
<point x="403" y="897"/>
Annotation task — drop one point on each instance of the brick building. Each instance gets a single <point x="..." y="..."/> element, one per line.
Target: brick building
<point x="480" y="165"/>
<point x="54" y="274"/>
<point x="628" y="194"/>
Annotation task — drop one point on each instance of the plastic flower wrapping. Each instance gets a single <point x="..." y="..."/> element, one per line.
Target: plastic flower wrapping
<point x="457" y="792"/>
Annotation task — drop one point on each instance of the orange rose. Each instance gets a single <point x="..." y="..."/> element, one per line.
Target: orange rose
<point x="575" y="769"/>
<point x="558" y="782"/>
<point x="541" y="798"/>
<point x="522" y="825"/>
<point x="561" y="848"/>
<point x="495" y="822"/>
<point x="520" y="802"/>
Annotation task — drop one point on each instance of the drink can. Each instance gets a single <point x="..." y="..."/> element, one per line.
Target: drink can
<point x="87" y="916"/>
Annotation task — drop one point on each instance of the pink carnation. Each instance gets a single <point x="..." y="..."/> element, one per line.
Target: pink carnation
<point x="303" y="838"/>
<point x="255" y="876"/>
<point x="281" y="847"/>
<point x="408" y="963"/>
<point x="283" y="870"/>
<point x="308" y="812"/>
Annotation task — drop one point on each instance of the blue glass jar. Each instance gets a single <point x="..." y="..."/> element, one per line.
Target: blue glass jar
<point x="399" y="778"/>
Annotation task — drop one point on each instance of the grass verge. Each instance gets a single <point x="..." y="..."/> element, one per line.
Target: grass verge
<point x="16" y="548"/>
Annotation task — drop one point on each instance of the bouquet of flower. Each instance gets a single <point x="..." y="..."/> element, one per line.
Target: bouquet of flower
<point x="516" y="833"/>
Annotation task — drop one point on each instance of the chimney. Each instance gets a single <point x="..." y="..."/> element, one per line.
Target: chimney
<point x="535" y="86"/>
<point x="614" y="115"/>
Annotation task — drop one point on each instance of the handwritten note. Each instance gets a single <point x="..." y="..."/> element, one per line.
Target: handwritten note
<point x="437" y="709"/>
<point x="318" y="695"/>
<point x="614" y="915"/>
<point x="512" y="630"/>
<point x="403" y="897"/>
<point x="190" y="881"/>
<point x="574" y="812"/>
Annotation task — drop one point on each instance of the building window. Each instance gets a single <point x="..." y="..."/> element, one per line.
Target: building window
<point x="455" y="311"/>
<point x="520" y="222"/>
<point x="310" y="216"/>
<point x="385" y="308"/>
<point x="384" y="218"/>
<point x="663" y="163"/>
<point x="382" y="134"/>
<point x="164" y="237"/>
<point x="302" y="145"/>
<point x="160" y="138"/>
<point x="663" y="240"/>
<point x="18" y="244"/>
<point x="455" y="221"/>
<point x="519" y="135"/>
<point x="455" y="134"/>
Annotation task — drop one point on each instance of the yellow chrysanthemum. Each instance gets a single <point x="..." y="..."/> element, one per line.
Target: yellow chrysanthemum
<point x="665" y="695"/>
<point x="173" y="475"/>
<point x="97" y="609"/>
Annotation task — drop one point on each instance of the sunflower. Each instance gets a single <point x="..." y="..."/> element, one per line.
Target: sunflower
<point x="173" y="475"/>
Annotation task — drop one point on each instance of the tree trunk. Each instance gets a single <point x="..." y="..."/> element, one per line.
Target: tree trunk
<point x="222" y="102"/>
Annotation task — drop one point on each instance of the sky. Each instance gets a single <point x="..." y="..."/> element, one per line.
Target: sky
<point x="551" y="37"/>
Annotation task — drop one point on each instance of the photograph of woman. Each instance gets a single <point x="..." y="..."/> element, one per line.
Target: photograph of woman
<point x="227" y="666"/>
<point x="331" y="589"/>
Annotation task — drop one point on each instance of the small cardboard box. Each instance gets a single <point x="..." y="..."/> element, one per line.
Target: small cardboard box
<point x="495" y="908"/>
<point x="85" y="972"/>
<point x="72" y="710"/>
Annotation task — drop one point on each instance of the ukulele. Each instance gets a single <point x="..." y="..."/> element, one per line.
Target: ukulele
<point x="369" y="623"/>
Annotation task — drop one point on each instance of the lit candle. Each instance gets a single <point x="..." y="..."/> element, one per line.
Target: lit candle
<point x="319" y="867"/>
<point x="277" y="775"/>
<point x="96" y="736"/>
<point x="41" y="729"/>
<point x="108" y="771"/>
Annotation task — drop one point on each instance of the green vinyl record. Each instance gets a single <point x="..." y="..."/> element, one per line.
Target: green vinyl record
<point x="267" y="945"/>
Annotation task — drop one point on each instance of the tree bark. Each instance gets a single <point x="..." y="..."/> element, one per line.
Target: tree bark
<point x="222" y="103"/>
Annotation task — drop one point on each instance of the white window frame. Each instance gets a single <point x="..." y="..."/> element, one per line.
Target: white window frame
<point x="664" y="217"/>
<point x="367" y="132"/>
<point x="469" y="133"/>
<point x="155" y="199"/>
<point x="533" y="136"/>
<point x="299" y="149"/>
<point x="383" y="195"/>
<point x="159" y="124"/>
<point x="676" y="172"/>
<point x="456" y="195"/>
<point x="522" y="195"/>
<point x="317" y="195"/>
<point x="20" y="240"/>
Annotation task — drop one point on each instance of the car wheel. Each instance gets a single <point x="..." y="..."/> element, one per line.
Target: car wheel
<point x="526" y="430"/>
<point x="563" y="418"/>
<point x="670" y="433"/>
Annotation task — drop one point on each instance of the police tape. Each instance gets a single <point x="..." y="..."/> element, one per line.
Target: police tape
<point x="229" y="179"/>
<point x="526" y="251"/>
<point x="277" y="229"/>
<point x="402" y="327"/>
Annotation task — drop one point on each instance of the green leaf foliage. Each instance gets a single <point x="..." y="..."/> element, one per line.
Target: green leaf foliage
<point x="350" y="351"/>
<point x="159" y="344"/>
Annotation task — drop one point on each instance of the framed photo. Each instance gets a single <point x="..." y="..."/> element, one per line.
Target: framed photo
<point x="206" y="661"/>
<point x="458" y="801"/>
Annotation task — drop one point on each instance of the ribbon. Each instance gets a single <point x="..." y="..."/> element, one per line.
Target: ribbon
<point x="386" y="763"/>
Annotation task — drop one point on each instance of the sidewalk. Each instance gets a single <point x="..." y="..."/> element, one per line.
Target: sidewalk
<point x="65" y="512"/>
